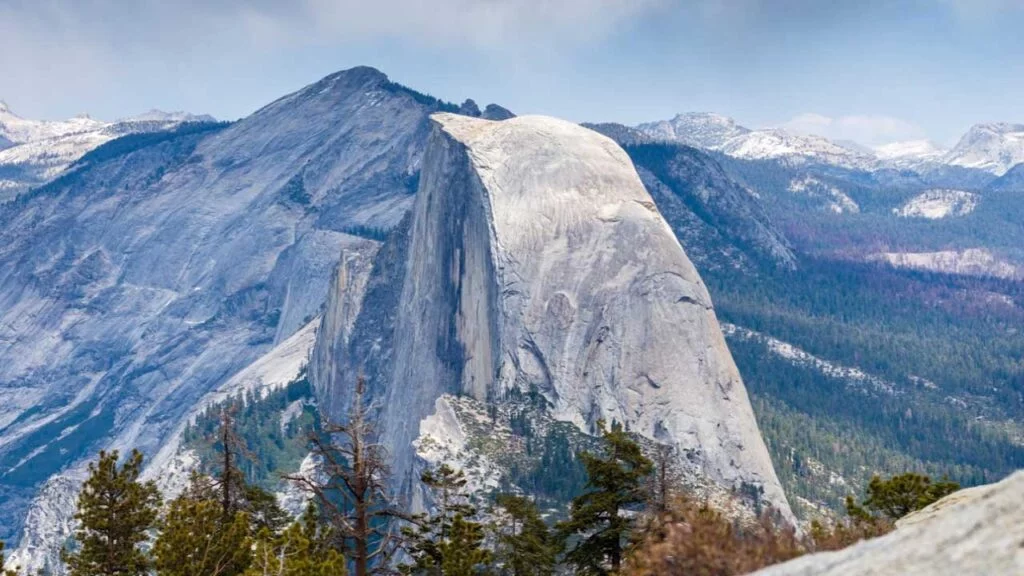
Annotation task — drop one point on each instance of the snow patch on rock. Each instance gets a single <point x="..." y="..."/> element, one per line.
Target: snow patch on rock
<point x="938" y="203"/>
<point x="969" y="262"/>
<point x="442" y="440"/>
<point x="837" y="201"/>
<point x="854" y="377"/>
<point x="293" y="498"/>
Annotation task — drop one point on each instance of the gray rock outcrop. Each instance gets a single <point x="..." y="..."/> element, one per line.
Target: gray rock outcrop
<point x="136" y="284"/>
<point x="974" y="531"/>
<point x="535" y="259"/>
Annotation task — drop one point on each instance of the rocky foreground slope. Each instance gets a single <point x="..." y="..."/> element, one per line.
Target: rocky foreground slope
<point x="976" y="531"/>
<point x="535" y="260"/>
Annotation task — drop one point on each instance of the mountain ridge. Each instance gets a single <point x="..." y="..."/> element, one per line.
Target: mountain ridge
<point x="992" y="147"/>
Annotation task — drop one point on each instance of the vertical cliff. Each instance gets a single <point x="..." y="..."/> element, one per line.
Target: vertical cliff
<point x="535" y="259"/>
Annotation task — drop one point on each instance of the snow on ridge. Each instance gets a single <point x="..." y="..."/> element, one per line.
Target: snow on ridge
<point x="853" y="376"/>
<point x="38" y="151"/>
<point x="968" y="262"/>
<point x="838" y="201"/>
<point x="994" y="147"/>
<point x="938" y="203"/>
<point x="176" y="116"/>
<point x="21" y="130"/>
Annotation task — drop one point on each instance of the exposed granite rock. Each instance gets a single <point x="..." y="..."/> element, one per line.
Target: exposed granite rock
<point x="495" y="112"/>
<point x="134" y="286"/>
<point x="535" y="259"/>
<point x="975" y="531"/>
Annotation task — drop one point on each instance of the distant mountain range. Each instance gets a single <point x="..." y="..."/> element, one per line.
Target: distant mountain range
<point x="993" y="148"/>
<point x="33" y="152"/>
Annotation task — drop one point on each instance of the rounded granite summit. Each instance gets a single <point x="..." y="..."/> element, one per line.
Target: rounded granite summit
<point x="537" y="260"/>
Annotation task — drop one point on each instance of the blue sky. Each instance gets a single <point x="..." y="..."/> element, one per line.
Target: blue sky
<point x="873" y="71"/>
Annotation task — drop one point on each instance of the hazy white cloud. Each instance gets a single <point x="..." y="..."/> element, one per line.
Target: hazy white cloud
<point x="869" y="130"/>
<point x="477" y="23"/>
<point x="47" y="46"/>
<point x="480" y="23"/>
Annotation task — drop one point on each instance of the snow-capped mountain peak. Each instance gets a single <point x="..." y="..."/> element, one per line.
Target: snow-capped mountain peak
<point x="716" y="132"/>
<point x="698" y="129"/>
<point x="777" y="143"/>
<point x="177" y="116"/>
<point x="33" y="152"/>
<point x="995" y="147"/>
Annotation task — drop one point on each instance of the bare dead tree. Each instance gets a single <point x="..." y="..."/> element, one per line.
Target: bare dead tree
<point x="228" y="487"/>
<point x="351" y="487"/>
<point x="661" y="480"/>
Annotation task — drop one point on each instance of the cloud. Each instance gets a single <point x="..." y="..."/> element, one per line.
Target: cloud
<point x="476" y="23"/>
<point x="870" y="130"/>
<point x="480" y="23"/>
<point x="46" y="46"/>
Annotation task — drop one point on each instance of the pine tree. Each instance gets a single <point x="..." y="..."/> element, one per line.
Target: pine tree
<point x="462" y="553"/>
<point x="294" y="553"/>
<point x="898" y="496"/>
<point x="526" y="546"/>
<point x="617" y="481"/>
<point x="447" y="542"/>
<point x="228" y="486"/>
<point x="195" y="540"/>
<point x="661" y="490"/>
<point x="115" y="511"/>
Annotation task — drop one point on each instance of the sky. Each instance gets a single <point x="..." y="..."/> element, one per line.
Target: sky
<point x="871" y="71"/>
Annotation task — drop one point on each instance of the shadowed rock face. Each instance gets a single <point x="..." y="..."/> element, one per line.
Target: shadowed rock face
<point x="535" y="258"/>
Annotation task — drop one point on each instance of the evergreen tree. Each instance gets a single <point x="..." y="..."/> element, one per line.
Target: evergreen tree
<point x="526" y="546"/>
<point x="294" y="553"/>
<point x="617" y="482"/>
<point x="196" y="541"/>
<point x="661" y="489"/>
<point x="462" y="553"/>
<point x="448" y="542"/>
<point x="898" y="496"/>
<point x="229" y="487"/>
<point x="115" y="511"/>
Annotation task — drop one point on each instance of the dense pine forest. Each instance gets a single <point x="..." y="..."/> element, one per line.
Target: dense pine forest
<point x="944" y="394"/>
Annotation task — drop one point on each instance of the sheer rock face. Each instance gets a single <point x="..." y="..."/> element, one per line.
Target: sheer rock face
<point x="535" y="258"/>
<point x="136" y="285"/>
<point x="975" y="531"/>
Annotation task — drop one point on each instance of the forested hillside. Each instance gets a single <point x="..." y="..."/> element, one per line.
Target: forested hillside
<point x="855" y="367"/>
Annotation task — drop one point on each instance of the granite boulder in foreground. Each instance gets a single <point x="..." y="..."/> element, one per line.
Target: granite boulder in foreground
<point x="977" y="531"/>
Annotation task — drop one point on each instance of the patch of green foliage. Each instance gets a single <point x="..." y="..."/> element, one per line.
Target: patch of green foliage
<point x="271" y="446"/>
